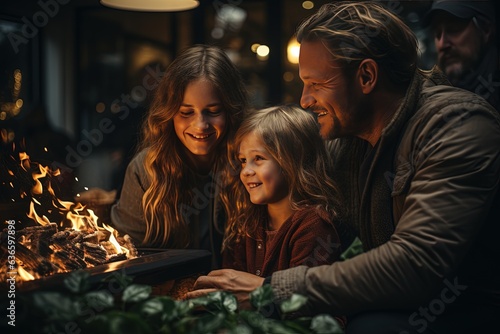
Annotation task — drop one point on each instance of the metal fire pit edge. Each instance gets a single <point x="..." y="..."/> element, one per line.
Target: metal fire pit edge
<point x="154" y="268"/>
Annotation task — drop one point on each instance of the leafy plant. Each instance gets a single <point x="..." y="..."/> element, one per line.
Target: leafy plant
<point x="354" y="249"/>
<point x="121" y="307"/>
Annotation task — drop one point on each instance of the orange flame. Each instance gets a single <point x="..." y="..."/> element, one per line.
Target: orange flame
<point x="26" y="276"/>
<point x="34" y="216"/>
<point x="114" y="242"/>
<point x="81" y="218"/>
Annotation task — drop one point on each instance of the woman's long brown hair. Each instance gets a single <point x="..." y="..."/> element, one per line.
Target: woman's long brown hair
<point x="172" y="182"/>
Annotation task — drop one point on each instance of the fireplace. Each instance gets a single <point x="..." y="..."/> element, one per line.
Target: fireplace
<point x="44" y="238"/>
<point x="152" y="267"/>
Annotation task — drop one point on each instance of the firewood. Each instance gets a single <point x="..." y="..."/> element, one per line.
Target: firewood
<point x="94" y="250"/>
<point x="39" y="238"/>
<point x="70" y="255"/>
<point x="68" y="262"/>
<point x="128" y="244"/>
<point x="76" y="236"/>
<point x="50" y="228"/>
<point x="94" y="261"/>
<point x="34" y="263"/>
<point x="116" y="257"/>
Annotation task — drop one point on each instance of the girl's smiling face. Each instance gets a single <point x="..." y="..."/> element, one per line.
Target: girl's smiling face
<point x="260" y="172"/>
<point x="200" y="122"/>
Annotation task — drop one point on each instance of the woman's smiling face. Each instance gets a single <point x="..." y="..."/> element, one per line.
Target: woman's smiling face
<point x="200" y="122"/>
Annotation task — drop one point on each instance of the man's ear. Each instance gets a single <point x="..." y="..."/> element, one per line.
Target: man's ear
<point x="367" y="75"/>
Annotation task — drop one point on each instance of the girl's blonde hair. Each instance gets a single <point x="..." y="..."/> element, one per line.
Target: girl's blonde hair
<point x="291" y="136"/>
<point x="172" y="181"/>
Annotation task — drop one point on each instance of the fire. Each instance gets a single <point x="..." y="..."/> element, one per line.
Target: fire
<point x="34" y="216"/>
<point x="25" y="276"/>
<point x="77" y="241"/>
<point x="114" y="242"/>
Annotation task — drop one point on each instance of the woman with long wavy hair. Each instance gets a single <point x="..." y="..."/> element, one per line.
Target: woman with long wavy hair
<point x="169" y="197"/>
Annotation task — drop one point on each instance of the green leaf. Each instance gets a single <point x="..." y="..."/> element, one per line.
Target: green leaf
<point x="216" y="301"/>
<point x="229" y="302"/>
<point x="354" y="249"/>
<point x="99" y="300"/>
<point x="136" y="293"/>
<point x="325" y="324"/>
<point x="293" y="304"/>
<point x="261" y="296"/>
<point x="55" y="306"/>
<point x="259" y="324"/>
<point x="153" y="307"/>
<point x="210" y="322"/>
<point x="182" y="307"/>
<point x="240" y="329"/>
<point x="252" y="318"/>
<point x="117" y="322"/>
<point x="297" y="327"/>
<point x="163" y="309"/>
<point x="77" y="281"/>
<point x="200" y="301"/>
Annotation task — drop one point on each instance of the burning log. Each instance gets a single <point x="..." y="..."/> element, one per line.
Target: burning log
<point x="55" y="247"/>
<point x="32" y="260"/>
<point x="94" y="253"/>
<point x="128" y="244"/>
<point x="117" y="257"/>
<point x="36" y="238"/>
<point x="69" y="254"/>
<point x="96" y="237"/>
<point x="43" y="251"/>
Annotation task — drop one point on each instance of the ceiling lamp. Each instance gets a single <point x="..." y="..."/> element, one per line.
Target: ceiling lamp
<point x="152" y="5"/>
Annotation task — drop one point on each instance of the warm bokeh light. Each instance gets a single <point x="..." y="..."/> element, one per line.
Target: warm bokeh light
<point x="263" y="51"/>
<point x="288" y="76"/>
<point x="308" y="5"/>
<point x="292" y="51"/>
<point x="100" y="107"/>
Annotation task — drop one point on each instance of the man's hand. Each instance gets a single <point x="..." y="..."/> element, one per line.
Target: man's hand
<point x="239" y="283"/>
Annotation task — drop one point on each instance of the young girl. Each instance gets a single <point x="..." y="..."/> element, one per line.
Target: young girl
<point x="170" y="189"/>
<point x="282" y="209"/>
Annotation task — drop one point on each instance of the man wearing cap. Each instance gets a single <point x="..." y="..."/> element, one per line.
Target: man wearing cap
<point x="465" y="38"/>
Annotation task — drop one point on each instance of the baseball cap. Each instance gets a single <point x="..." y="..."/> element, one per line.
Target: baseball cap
<point x="462" y="9"/>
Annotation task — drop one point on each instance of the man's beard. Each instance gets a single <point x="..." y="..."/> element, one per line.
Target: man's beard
<point x="454" y="72"/>
<point x="457" y="70"/>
